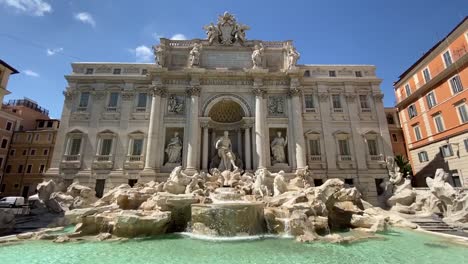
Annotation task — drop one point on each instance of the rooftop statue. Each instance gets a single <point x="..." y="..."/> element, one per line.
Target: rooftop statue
<point x="227" y="31"/>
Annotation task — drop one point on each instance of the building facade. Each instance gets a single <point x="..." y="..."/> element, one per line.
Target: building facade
<point x="431" y="101"/>
<point x="128" y="122"/>
<point x="396" y="132"/>
<point x="8" y="121"/>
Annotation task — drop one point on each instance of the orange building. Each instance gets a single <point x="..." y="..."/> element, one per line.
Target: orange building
<point x="433" y="109"/>
<point x="396" y="132"/>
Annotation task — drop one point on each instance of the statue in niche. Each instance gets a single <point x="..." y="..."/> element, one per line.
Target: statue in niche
<point x="194" y="55"/>
<point x="257" y="56"/>
<point x="293" y="57"/>
<point x="277" y="149"/>
<point x="276" y="105"/>
<point x="175" y="106"/>
<point x="174" y="149"/>
<point x="159" y="52"/>
<point x="227" y="157"/>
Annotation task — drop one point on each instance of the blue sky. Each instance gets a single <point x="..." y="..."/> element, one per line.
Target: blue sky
<point x="42" y="37"/>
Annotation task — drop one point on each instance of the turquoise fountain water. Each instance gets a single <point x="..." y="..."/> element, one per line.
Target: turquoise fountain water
<point x="398" y="246"/>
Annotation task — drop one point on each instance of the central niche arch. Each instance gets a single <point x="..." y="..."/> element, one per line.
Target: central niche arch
<point x="226" y="111"/>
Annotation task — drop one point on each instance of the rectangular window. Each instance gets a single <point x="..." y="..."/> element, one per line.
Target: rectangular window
<point x="349" y="182"/>
<point x="144" y="71"/>
<point x="423" y="156"/>
<point x="463" y="113"/>
<point x="456" y="84"/>
<point x="427" y="75"/>
<point x="84" y="100"/>
<point x="49" y="137"/>
<point x="29" y="168"/>
<point x="395" y="138"/>
<point x="1" y="162"/>
<point x="137" y="147"/>
<point x="20" y="169"/>
<point x="50" y="123"/>
<point x="4" y="143"/>
<point x="45" y="152"/>
<point x="41" y="124"/>
<point x="32" y="152"/>
<point x="8" y="169"/>
<point x="358" y="73"/>
<point x="372" y="146"/>
<point x="407" y="90"/>
<point x="42" y="168"/>
<point x="332" y="73"/>
<point x="466" y="144"/>
<point x="431" y="101"/>
<point x="36" y="138"/>
<point x="89" y="71"/>
<point x="309" y="101"/>
<point x="455" y="178"/>
<point x="344" y="147"/>
<point x="117" y="71"/>
<point x="446" y="151"/>
<point x="447" y="58"/>
<point x="25" y="152"/>
<point x="364" y="102"/>
<point x="314" y="145"/>
<point x="412" y="111"/>
<point x="336" y="100"/>
<point x="113" y="100"/>
<point x="417" y="132"/>
<point x="29" y="137"/>
<point x="439" y="123"/>
<point x="142" y="97"/>
<point x="9" y="126"/>
<point x="12" y="152"/>
<point x="75" y="146"/>
<point x="106" y="146"/>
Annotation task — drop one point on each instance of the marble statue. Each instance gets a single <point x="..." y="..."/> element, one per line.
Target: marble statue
<point x="194" y="55"/>
<point x="177" y="181"/>
<point x="159" y="52"/>
<point x="175" y="106"/>
<point x="257" y="56"/>
<point x="227" y="157"/>
<point x="174" y="149"/>
<point x="277" y="149"/>
<point x="260" y="184"/>
<point x="279" y="184"/>
<point x="293" y="57"/>
<point x="212" y="33"/>
<point x="227" y="31"/>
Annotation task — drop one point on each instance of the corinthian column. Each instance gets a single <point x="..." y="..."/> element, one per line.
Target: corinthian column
<point x="260" y="120"/>
<point x="193" y="129"/>
<point x="247" y="150"/>
<point x="205" y="147"/>
<point x="299" y="141"/>
<point x="152" y="142"/>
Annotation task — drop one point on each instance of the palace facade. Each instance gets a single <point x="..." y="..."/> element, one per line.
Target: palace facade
<point x="135" y="122"/>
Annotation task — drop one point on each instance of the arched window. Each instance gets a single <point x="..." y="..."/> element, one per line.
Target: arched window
<point x="307" y="73"/>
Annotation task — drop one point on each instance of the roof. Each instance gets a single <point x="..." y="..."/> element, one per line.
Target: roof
<point x="9" y="67"/>
<point x="427" y="53"/>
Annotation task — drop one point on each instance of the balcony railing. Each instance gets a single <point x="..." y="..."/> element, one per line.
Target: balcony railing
<point x="345" y="158"/>
<point x="140" y="109"/>
<point x="310" y="110"/>
<point x="134" y="158"/>
<point x="365" y="110"/>
<point x="102" y="158"/>
<point x="376" y="157"/>
<point x="315" y="158"/>
<point x="338" y="110"/>
<point x="71" y="157"/>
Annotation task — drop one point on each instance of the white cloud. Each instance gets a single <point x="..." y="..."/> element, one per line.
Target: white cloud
<point x="31" y="7"/>
<point x="31" y="73"/>
<point x="51" y="52"/>
<point x="143" y="53"/>
<point x="86" y="18"/>
<point x="178" y="36"/>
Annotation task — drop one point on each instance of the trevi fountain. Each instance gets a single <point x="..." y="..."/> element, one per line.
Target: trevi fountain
<point x="227" y="212"/>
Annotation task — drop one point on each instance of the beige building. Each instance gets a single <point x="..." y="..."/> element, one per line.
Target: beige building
<point x="128" y="122"/>
<point x="396" y="132"/>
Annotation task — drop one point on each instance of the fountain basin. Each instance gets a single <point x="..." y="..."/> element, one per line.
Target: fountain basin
<point x="228" y="219"/>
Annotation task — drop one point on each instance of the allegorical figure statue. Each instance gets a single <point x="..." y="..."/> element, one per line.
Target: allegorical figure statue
<point x="212" y="33"/>
<point x="277" y="149"/>
<point x="174" y="149"/>
<point x="293" y="57"/>
<point x="159" y="53"/>
<point x="227" y="157"/>
<point x="174" y="106"/>
<point x="194" y="55"/>
<point x="257" y="56"/>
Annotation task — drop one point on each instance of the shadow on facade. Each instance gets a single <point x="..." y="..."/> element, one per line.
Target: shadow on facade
<point x="419" y="179"/>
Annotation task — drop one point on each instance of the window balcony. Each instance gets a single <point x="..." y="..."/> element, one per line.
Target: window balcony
<point x="71" y="162"/>
<point x="310" y="110"/>
<point x="376" y="157"/>
<point x="376" y="161"/>
<point x="338" y="110"/>
<point x="345" y="158"/>
<point x="366" y="110"/>
<point x="103" y="162"/>
<point x="315" y="158"/>
<point x="345" y="162"/>
<point x="134" y="162"/>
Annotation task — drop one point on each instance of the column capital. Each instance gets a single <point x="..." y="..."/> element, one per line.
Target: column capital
<point x="193" y="90"/>
<point x="68" y="94"/>
<point x="294" y="91"/>
<point x="378" y="97"/>
<point x="158" y="90"/>
<point x="204" y="124"/>
<point x="259" y="91"/>
<point x="323" y="97"/>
